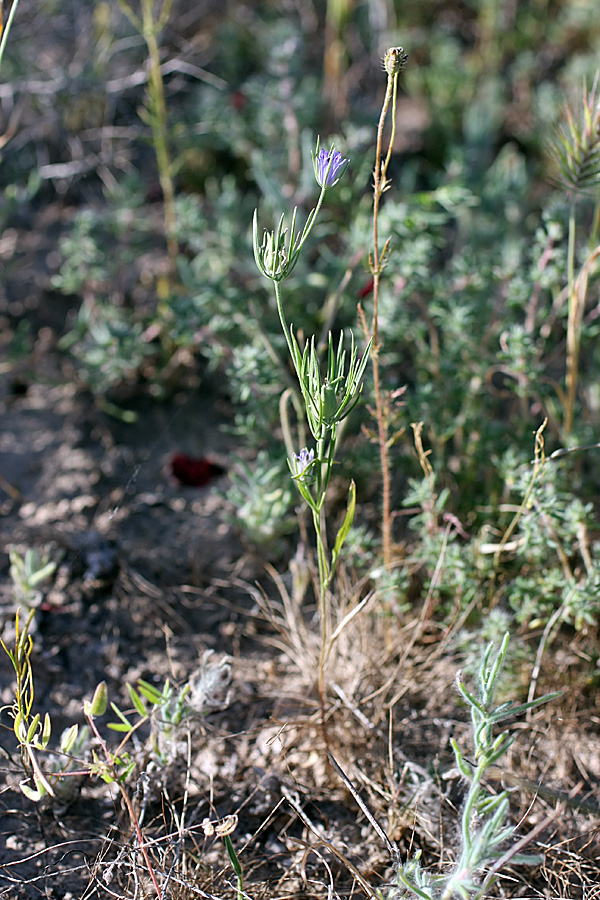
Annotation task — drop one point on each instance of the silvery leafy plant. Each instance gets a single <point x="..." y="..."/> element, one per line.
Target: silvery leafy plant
<point x="484" y="826"/>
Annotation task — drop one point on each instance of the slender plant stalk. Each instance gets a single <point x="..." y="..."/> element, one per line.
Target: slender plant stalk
<point x="539" y="462"/>
<point x="577" y="288"/>
<point x="335" y="61"/>
<point x="382" y="425"/>
<point x="150" y="26"/>
<point x="575" y="155"/>
<point x="393" y="62"/>
<point x="318" y="516"/>
<point x="5" y="31"/>
<point x="324" y="616"/>
<point x="159" y="121"/>
<point x="577" y="300"/>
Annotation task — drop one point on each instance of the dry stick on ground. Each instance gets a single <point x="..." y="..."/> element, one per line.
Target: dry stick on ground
<point x="294" y="803"/>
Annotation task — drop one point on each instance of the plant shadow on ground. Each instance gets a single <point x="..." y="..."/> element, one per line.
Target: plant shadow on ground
<point x="153" y="581"/>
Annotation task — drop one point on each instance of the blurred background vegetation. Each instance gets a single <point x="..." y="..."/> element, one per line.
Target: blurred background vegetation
<point x="474" y="303"/>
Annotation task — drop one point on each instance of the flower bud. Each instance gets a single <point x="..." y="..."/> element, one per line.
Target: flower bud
<point x="331" y="403"/>
<point x="329" y="166"/>
<point x="99" y="702"/>
<point x="273" y="253"/>
<point x="302" y="463"/>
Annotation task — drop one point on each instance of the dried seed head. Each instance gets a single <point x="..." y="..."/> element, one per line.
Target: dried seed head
<point x="394" y="60"/>
<point x="220" y="827"/>
<point x="575" y="152"/>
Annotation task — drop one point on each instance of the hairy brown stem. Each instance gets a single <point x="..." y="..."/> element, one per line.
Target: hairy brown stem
<point x="377" y="264"/>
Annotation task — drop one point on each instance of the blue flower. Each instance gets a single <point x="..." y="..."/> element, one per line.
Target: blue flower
<point x="302" y="463"/>
<point x="329" y="167"/>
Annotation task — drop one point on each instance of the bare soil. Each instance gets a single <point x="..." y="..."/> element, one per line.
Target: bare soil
<point x="153" y="582"/>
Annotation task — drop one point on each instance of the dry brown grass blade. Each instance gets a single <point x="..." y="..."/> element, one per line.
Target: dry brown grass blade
<point x="390" y="846"/>
<point x="332" y="849"/>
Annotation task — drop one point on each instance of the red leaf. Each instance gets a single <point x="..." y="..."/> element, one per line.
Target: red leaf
<point x="365" y="289"/>
<point x="238" y="101"/>
<point x="193" y="471"/>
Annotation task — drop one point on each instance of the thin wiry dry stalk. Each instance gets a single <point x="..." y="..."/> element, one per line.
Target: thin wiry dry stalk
<point x="394" y="61"/>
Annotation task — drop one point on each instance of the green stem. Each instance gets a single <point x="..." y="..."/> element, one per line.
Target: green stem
<point x="310" y="222"/>
<point x="322" y="559"/>
<point x="318" y="522"/>
<point x="284" y="324"/>
<point x="6" y="31"/>
<point x="467" y="815"/>
<point x="384" y="168"/>
<point x="150" y="29"/>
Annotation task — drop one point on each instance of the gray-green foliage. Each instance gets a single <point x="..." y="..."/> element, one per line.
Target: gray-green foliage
<point x="261" y="497"/>
<point x="29" y="571"/>
<point x="557" y="559"/>
<point x="472" y="305"/>
<point x="484" y="826"/>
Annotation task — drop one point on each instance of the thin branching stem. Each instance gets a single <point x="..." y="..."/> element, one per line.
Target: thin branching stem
<point x="329" y="396"/>
<point x="135" y="824"/>
<point x="377" y="264"/>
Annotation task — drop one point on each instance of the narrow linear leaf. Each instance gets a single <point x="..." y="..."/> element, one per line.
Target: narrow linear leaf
<point x="69" y="738"/>
<point x="136" y="700"/>
<point x="346" y="524"/>
<point x="33" y="728"/>
<point x="122" y="717"/>
<point x="46" y="731"/>
<point x="150" y="692"/>
<point x="233" y="856"/>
